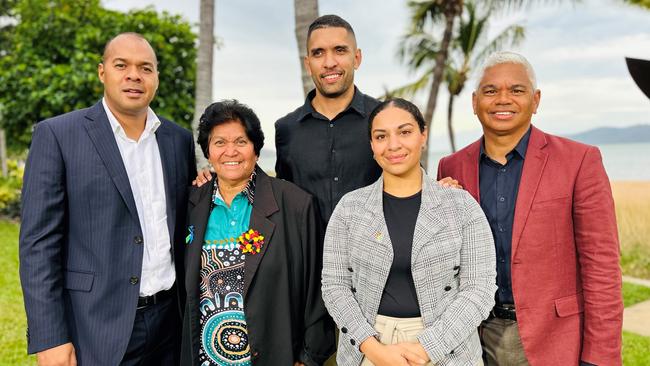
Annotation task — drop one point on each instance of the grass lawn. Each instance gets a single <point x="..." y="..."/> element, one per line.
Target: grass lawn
<point x="633" y="294"/>
<point x="636" y="350"/>
<point x="12" y="316"/>
<point x="632" y="211"/>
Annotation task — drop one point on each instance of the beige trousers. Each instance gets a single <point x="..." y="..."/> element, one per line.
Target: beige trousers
<point x="395" y="330"/>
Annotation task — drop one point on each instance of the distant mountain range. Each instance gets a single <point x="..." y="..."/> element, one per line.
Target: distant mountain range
<point x="614" y="135"/>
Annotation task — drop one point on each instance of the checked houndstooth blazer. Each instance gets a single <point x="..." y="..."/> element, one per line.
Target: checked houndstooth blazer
<point x="453" y="265"/>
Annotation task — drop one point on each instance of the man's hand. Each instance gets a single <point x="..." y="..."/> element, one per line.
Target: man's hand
<point x="450" y="182"/>
<point x="203" y="176"/>
<point x="62" y="355"/>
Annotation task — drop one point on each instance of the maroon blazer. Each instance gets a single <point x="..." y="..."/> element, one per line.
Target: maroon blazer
<point x="566" y="278"/>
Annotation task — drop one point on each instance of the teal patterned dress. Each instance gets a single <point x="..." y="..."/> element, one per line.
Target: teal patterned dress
<point x="224" y="335"/>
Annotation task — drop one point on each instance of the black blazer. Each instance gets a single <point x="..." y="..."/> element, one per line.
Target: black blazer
<point x="286" y="318"/>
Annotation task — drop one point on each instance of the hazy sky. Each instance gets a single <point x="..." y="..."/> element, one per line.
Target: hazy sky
<point x="577" y="51"/>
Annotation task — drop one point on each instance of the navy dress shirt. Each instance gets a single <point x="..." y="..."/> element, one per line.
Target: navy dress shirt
<point x="498" y="186"/>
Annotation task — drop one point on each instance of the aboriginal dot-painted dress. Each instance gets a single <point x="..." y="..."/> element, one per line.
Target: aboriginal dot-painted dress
<point x="224" y="335"/>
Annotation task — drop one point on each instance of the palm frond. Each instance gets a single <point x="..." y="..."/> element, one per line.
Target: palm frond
<point x="411" y="89"/>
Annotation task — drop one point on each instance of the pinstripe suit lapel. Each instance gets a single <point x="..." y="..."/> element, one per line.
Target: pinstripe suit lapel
<point x="429" y="222"/>
<point x="99" y="130"/>
<point x="167" y="155"/>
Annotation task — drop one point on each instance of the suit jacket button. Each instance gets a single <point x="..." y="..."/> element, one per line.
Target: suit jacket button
<point x="447" y="288"/>
<point x="138" y="239"/>
<point x="134" y="280"/>
<point x="344" y="330"/>
<point x="352" y="342"/>
<point x="354" y="290"/>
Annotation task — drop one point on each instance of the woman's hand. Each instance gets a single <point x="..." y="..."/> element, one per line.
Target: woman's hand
<point x="417" y="349"/>
<point x="390" y="354"/>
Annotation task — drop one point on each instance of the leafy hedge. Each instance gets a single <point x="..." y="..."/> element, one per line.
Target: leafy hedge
<point x="10" y="187"/>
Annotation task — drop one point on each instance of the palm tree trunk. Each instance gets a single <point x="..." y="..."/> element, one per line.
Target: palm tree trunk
<point x="450" y="128"/>
<point x="454" y="8"/>
<point x="306" y="11"/>
<point x="3" y="153"/>
<point x="203" y="91"/>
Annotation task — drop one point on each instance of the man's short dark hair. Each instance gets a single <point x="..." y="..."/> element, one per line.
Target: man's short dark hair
<point x="132" y="34"/>
<point x="329" y="21"/>
<point x="226" y="111"/>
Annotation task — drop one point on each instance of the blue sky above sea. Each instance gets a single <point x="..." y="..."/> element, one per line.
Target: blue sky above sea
<point x="577" y="51"/>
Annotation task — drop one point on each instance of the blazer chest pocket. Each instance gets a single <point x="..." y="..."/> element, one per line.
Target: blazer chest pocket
<point x="78" y="281"/>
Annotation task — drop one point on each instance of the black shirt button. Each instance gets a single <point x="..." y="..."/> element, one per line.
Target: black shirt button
<point x="138" y="239"/>
<point x="134" y="280"/>
<point x="350" y="269"/>
<point x="354" y="290"/>
<point x="344" y="330"/>
<point x="452" y="352"/>
<point x="352" y="342"/>
<point x="447" y="288"/>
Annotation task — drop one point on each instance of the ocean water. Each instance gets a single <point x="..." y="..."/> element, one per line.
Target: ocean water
<point x="622" y="161"/>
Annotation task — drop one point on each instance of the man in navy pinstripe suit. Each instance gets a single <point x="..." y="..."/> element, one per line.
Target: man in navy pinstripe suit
<point x="104" y="201"/>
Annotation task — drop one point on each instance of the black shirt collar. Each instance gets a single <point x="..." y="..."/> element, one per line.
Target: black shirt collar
<point x="357" y="105"/>
<point x="520" y="149"/>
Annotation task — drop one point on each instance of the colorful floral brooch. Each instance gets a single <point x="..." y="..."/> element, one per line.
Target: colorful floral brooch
<point x="250" y="241"/>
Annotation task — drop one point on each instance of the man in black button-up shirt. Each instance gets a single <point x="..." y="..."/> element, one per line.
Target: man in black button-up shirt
<point x="323" y="146"/>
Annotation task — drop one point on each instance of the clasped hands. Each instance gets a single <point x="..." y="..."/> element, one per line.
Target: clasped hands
<point x="399" y="354"/>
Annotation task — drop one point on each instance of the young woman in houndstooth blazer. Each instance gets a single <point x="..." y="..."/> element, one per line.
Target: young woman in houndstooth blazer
<point x="408" y="265"/>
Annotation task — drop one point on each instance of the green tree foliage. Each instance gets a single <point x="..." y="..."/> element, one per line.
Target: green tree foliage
<point x="51" y="63"/>
<point x="642" y="3"/>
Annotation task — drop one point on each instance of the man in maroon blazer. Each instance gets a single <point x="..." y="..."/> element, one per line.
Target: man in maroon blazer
<point x="550" y="207"/>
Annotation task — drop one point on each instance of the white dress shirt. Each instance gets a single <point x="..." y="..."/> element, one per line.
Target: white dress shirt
<point x="144" y="169"/>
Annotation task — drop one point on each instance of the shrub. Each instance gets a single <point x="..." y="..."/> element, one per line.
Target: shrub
<point x="10" y="187"/>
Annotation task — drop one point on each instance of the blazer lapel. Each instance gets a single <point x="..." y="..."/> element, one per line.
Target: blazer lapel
<point x="198" y="222"/>
<point x="264" y="205"/>
<point x="470" y="170"/>
<point x="99" y="130"/>
<point x="531" y="175"/>
<point x="428" y="222"/>
<point x="167" y="155"/>
<point x="376" y="219"/>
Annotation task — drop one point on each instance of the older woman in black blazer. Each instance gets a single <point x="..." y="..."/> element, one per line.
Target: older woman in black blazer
<point x="253" y="257"/>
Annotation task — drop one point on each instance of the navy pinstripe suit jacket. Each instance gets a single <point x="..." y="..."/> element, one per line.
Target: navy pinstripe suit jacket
<point x="80" y="237"/>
